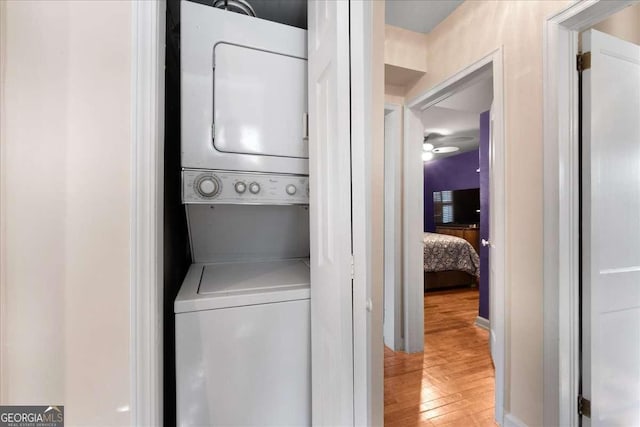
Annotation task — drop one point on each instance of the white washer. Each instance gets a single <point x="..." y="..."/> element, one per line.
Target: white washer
<point x="243" y="93"/>
<point x="243" y="347"/>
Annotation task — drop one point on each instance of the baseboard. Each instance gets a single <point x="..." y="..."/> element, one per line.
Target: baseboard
<point x="511" y="420"/>
<point x="398" y="345"/>
<point x="483" y="323"/>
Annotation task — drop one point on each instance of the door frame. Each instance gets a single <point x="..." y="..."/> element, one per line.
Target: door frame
<point x="413" y="206"/>
<point x="561" y="205"/>
<point x="393" y="338"/>
<point x="146" y="212"/>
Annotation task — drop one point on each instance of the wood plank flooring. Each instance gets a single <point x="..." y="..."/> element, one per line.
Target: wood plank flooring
<point x="452" y="382"/>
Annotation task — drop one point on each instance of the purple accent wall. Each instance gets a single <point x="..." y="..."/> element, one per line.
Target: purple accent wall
<point x="451" y="173"/>
<point x="483" y="309"/>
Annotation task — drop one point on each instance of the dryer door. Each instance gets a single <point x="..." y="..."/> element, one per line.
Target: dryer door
<point x="260" y="102"/>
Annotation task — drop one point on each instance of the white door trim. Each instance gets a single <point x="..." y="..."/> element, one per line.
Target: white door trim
<point x="366" y="87"/>
<point x="146" y="236"/>
<point x="561" y="205"/>
<point x="392" y="329"/>
<point x="412" y="224"/>
<point x="414" y="203"/>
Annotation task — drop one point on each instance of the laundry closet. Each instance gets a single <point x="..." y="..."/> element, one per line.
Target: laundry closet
<point x="242" y="312"/>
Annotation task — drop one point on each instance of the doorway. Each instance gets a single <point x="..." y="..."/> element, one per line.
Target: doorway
<point x="490" y="67"/>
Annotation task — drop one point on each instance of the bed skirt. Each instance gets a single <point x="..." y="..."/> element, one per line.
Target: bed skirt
<point x="448" y="279"/>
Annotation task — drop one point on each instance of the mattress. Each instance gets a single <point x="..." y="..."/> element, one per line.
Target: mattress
<point x="443" y="253"/>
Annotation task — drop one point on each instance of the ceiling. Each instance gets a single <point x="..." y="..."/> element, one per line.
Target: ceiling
<point x="455" y="121"/>
<point x="421" y="16"/>
<point x="474" y="99"/>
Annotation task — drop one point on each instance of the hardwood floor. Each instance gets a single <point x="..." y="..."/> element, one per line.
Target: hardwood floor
<point x="452" y="382"/>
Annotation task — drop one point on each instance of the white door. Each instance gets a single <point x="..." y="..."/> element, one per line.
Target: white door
<point x="330" y="214"/>
<point x="611" y="231"/>
<point x="495" y="230"/>
<point x="497" y="241"/>
<point x="492" y="230"/>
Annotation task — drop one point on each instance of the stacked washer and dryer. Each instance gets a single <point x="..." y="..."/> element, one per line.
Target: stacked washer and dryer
<point x="242" y="313"/>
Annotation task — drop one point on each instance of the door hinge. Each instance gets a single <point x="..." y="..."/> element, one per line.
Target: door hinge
<point x="584" y="406"/>
<point x="583" y="61"/>
<point x="353" y="272"/>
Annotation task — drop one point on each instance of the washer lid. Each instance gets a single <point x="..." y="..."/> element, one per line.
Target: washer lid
<point x="225" y="285"/>
<point x="251" y="277"/>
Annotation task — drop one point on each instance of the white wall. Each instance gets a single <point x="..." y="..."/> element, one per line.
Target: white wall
<point x="65" y="141"/>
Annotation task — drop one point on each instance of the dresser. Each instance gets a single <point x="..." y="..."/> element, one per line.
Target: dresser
<point x="469" y="233"/>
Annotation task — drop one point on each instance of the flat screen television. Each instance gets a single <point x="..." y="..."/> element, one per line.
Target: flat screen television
<point x="454" y="207"/>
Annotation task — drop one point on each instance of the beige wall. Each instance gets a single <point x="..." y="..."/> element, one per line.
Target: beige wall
<point x="471" y="32"/>
<point x="404" y="48"/>
<point x="624" y="24"/>
<point x="394" y="94"/>
<point x="405" y="59"/>
<point x="65" y="141"/>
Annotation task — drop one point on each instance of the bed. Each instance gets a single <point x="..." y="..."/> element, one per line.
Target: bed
<point x="449" y="261"/>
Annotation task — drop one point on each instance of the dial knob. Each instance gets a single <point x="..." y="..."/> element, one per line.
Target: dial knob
<point x="208" y="186"/>
<point x="241" y="187"/>
<point x="254" y="187"/>
<point x="291" y="189"/>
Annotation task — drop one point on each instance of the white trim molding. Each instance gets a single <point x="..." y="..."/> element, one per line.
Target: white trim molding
<point x="367" y="116"/>
<point x="413" y="277"/>
<point x="412" y="229"/>
<point x="561" y="205"/>
<point x="511" y="420"/>
<point x="392" y="325"/>
<point x="147" y="154"/>
<point x="483" y="323"/>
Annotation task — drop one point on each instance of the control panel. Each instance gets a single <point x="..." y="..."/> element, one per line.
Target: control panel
<point x="223" y="187"/>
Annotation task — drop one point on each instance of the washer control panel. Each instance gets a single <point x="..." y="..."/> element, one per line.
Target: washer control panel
<point x="225" y="187"/>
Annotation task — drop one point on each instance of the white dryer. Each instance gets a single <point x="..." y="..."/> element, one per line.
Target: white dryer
<point x="243" y="92"/>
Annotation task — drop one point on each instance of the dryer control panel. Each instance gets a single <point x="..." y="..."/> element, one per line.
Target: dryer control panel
<point x="224" y="187"/>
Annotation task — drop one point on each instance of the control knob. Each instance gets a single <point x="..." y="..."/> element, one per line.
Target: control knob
<point x="208" y="186"/>
<point x="254" y="188"/>
<point x="291" y="189"/>
<point x="241" y="187"/>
